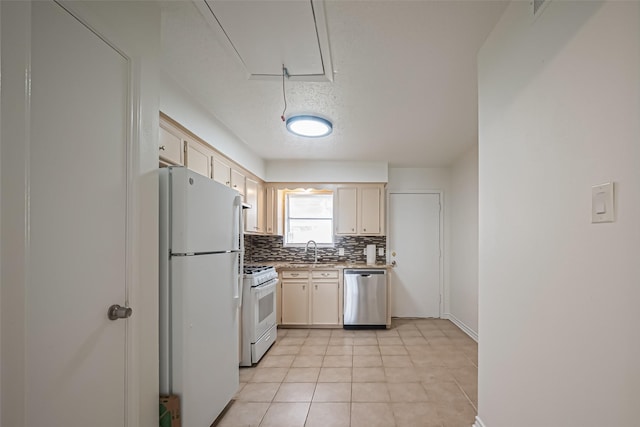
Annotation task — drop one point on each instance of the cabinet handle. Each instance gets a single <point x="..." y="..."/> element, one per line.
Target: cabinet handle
<point x="162" y="147"/>
<point x="303" y="286"/>
<point x="235" y="186"/>
<point x="316" y="287"/>
<point x="365" y="229"/>
<point x="353" y="229"/>
<point x="324" y="275"/>
<point x="295" y="274"/>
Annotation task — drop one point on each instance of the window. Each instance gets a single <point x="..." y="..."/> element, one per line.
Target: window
<point x="308" y="216"/>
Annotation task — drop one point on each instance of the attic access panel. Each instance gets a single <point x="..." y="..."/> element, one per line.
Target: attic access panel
<point x="265" y="34"/>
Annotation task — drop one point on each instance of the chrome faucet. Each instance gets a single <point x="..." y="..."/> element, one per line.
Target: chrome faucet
<point x="315" y="245"/>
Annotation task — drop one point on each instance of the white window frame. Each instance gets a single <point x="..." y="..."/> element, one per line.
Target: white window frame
<point x="287" y="193"/>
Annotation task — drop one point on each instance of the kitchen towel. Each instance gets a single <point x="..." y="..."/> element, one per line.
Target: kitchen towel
<point x="371" y="254"/>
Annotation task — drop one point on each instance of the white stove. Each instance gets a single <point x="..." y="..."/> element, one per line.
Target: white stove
<point x="259" y="329"/>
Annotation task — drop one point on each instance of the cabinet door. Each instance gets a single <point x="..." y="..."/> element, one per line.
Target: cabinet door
<point x="270" y="226"/>
<point x="237" y="181"/>
<point x="260" y="202"/>
<point x="198" y="159"/>
<point x="171" y="148"/>
<point x="370" y="200"/>
<point x="221" y="172"/>
<point x="346" y="210"/>
<point x="251" y="196"/>
<point x="295" y="303"/>
<point x="325" y="300"/>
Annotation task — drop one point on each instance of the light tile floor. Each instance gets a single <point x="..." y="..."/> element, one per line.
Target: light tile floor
<point x="421" y="372"/>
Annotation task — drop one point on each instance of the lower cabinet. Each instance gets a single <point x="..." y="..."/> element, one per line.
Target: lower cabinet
<point x="295" y="302"/>
<point x="311" y="297"/>
<point x="325" y="297"/>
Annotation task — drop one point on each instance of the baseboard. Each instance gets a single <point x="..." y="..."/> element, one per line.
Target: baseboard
<point x="467" y="330"/>
<point x="478" y="423"/>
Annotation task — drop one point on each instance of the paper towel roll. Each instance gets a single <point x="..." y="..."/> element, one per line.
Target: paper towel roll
<point x="371" y="254"/>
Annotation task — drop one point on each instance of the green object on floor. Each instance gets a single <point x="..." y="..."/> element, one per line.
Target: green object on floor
<point x="165" y="416"/>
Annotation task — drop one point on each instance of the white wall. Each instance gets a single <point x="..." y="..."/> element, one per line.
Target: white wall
<point x="463" y="287"/>
<point x="182" y="107"/>
<point x="134" y="27"/>
<point x="325" y="171"/>
<point x="559" y="111"/>
<point x="437" y="179"/>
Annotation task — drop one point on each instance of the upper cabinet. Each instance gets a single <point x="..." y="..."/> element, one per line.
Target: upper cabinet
<point x="273" y="210"/>
<point x="359" y="210"/>
<point x="370" y="202"/>
<point x="255" y="196"/>
<point x="227" y="175"/>
<point x="176" y="147"/>
<point x="170" y="149"/>
<point x="198" y="158"/>
<point x="346" y="210"/>
<point x="237" y="181"/>
<point x="221" y="171"/>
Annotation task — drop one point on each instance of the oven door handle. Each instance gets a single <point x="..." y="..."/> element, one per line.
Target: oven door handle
<point x="265" y="288"/>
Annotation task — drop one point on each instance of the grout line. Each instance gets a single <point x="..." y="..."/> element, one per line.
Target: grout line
<point x="466" y="395"/>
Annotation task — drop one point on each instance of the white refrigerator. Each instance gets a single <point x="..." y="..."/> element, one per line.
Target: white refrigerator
<point x="201" y="249"/>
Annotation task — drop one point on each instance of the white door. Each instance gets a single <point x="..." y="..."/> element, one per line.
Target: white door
<point x="77" y="257"/>
<point x="414" y="238"/>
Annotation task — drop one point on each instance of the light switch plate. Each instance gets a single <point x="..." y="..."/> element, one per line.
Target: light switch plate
<point x="340" y="251"/>
<point x="380" y="251"/>
<point x="602" y="203"/>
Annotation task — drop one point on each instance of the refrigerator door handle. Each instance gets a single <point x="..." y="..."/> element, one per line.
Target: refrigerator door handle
<point x="236" y="289"/>
<point x="237" y="295"/>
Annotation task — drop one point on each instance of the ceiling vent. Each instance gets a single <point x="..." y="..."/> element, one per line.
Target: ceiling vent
<point x="264" y="35"/>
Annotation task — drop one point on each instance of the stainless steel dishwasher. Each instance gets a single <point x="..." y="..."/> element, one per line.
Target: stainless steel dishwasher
<point x="365" y="298"/>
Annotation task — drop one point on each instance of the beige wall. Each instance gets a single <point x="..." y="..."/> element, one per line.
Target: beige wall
<point x="325" y="171"/>
<point x="559" y="111"/>
<point x="463" y="291"/>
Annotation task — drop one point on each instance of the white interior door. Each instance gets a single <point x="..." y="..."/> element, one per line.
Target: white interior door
<point x="414" y="238"/>
<point x="75" y="363"/>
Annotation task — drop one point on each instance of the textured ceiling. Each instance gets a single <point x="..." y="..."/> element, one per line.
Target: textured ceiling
<point x="404" y="88"/>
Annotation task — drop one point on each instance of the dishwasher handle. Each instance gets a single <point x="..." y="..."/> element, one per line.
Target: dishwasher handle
<point x="364" y="272"/>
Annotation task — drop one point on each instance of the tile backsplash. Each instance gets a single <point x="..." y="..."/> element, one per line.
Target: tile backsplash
<point x="270" y="249"/>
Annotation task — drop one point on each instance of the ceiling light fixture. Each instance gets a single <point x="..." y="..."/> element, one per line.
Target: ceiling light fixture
<point x="305" y="125"/>
<point x="309" y="126"/>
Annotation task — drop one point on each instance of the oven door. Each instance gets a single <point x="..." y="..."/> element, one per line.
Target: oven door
<point x="264" y="300"/>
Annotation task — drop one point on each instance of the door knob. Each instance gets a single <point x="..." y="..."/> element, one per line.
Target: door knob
<point x="116" y="312"/>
